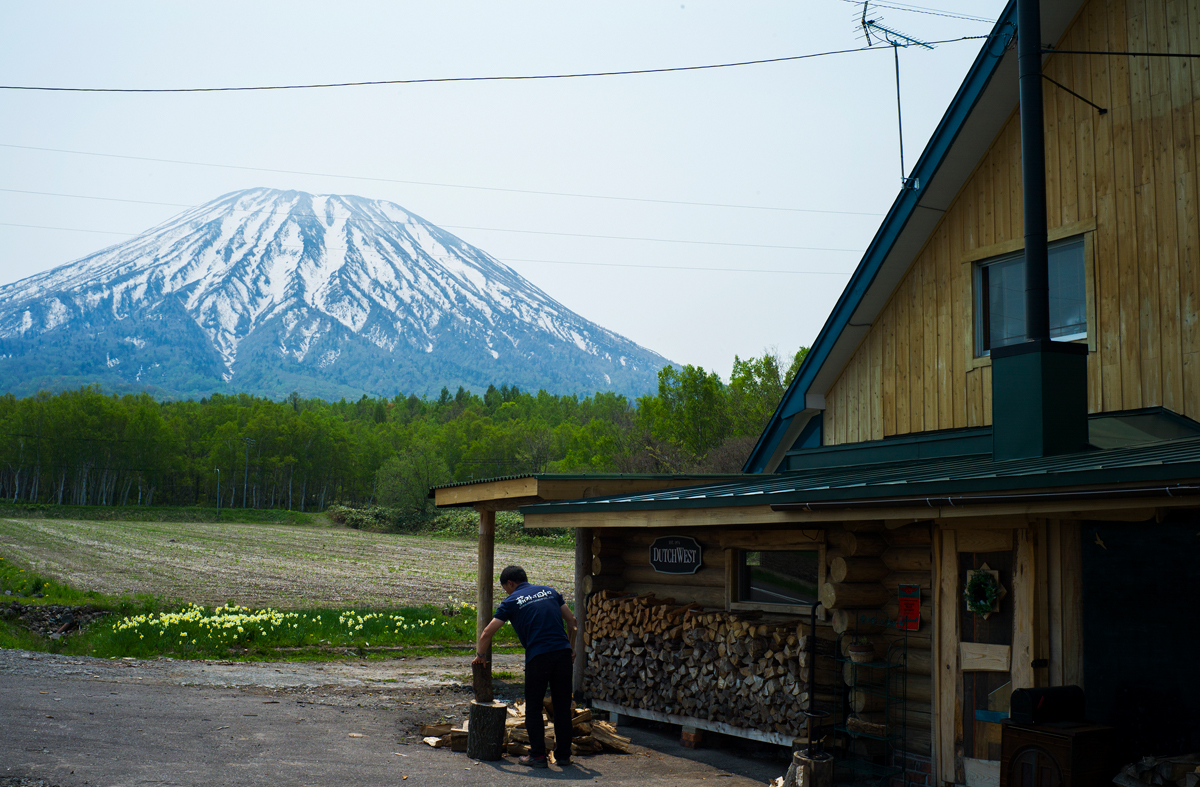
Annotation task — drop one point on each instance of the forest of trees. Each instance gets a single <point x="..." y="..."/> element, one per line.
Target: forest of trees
<point x="85" y="447"/>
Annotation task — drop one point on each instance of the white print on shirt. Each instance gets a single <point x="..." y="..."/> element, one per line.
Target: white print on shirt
<point x="541" y="594"/>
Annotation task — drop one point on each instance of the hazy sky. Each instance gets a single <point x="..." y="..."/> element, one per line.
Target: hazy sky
<point x="814" y="140"/>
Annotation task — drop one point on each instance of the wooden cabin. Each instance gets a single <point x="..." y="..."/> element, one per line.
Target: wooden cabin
<point x="918" y="448"/>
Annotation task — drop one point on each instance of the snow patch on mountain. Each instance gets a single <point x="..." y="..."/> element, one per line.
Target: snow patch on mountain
<point x="311" y="277"/>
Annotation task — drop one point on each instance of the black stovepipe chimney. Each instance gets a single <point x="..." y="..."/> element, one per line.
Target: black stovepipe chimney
<point x="1039" y="387"/>
<point x="1033" y="170"/>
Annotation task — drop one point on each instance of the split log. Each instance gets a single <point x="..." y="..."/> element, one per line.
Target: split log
<point x="863" y="545"/>
<point x="857" y="569"/>
<point x="909" y="559"/>
<point x="485" y="731"/>
<point x="854" y="595"/>
<point x="832" y="554"/>
<point x="481" y="682"/>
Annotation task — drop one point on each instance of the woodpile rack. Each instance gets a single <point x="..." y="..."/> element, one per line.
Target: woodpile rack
<point x="647" y="656"/>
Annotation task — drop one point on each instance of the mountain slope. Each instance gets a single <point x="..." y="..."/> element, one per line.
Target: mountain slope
<point x="268" y="291"/>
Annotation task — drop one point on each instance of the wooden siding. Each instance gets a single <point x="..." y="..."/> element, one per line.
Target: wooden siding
<point x="1126" y="180"/>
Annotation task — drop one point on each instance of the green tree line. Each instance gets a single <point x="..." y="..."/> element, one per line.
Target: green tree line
<point x="85" y="447"/>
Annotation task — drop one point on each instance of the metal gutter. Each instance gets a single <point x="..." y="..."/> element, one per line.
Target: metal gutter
<point x="959" y="501"/>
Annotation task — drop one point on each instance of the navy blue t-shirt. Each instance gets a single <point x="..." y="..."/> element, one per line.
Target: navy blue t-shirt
<point x="535" y="611"/>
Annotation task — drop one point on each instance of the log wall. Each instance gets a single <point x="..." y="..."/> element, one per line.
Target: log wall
<point x="867" y="563"/>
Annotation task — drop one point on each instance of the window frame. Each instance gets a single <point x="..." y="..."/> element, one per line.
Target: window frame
<point x="733" y="580"/>
<point x="979" y="299"/>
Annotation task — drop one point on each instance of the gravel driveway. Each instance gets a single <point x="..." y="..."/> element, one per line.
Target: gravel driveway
<point x="109" y="723"/>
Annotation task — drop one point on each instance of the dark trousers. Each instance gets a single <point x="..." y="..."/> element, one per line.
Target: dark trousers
<point x="553" y="670"/>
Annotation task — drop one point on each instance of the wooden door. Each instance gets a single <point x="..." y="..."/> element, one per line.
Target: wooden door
<point x="985" y="694"/>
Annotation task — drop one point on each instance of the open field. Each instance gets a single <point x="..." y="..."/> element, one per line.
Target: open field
<point x="262" y="565"/>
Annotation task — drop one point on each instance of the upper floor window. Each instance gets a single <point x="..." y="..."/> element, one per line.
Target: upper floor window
<point x="1000" y="297"/>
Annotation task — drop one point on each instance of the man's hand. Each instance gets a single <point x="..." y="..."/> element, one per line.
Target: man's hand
<point x="480" y="660"/>
<point x="572" y="654"/>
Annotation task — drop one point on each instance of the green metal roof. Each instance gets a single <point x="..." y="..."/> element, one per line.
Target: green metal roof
<point x="1162" y="463"/>
<point x="590" y="477"/>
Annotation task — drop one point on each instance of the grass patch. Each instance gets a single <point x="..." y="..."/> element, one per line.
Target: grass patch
<point x="233" y="631"/>
<point x="160" y="514"/>
<point x="146" y="628"/>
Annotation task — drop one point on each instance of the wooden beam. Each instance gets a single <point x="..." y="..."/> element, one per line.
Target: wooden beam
<point x="1072" y="603"/>
<point x="701" y="724"/>
<point x="1008" y="515"/>
<point x="1024" y="585"/>
<point x="583" y="566"/>
<point x="469" y="494"/>
<point x="483" y="584"/>
<point x="947" y="676"/>
<point x="977" y="657"/>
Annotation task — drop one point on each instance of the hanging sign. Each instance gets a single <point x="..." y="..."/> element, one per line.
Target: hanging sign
<point x="675" y="555"/>
<point x="910" y="608"/>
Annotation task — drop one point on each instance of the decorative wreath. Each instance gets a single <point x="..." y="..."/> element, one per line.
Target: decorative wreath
<point x="982" y="593"/>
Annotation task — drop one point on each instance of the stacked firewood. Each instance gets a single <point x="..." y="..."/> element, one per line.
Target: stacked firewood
<point x="736" y="668"/>
<point x="588" y="735"/>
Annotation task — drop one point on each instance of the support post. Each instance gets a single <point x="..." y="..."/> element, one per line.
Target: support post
<point x="483" y="595"/>
<point x="583" y="570"/>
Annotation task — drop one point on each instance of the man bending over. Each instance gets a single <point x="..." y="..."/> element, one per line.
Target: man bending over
<point x="537" y="613"/>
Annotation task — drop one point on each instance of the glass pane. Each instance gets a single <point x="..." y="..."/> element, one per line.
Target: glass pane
<point x="1068" y="301"/>
<point x="1004" y="284"/>
<point x="1006" y="302"/>
<point x="779" y="577"/>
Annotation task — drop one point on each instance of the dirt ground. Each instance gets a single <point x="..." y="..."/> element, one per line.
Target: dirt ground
<point x="74" y="721"/>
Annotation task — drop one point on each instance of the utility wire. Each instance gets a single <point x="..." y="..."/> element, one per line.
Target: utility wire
<point x="432" y="80"/>
<point x="503" y="259"/>
<point x="385" y="222"/>
<point x="440" y="185"/>
<point x="916" y="9"/>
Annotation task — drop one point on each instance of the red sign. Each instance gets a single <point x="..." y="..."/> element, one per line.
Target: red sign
<point x="910" y="608"/>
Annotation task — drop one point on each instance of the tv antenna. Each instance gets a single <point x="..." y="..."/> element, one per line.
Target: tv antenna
<point x="876" y="32"/>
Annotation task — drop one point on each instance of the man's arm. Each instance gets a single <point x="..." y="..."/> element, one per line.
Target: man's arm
<point x="569" y="617"/>
<point x="485" y="640"/>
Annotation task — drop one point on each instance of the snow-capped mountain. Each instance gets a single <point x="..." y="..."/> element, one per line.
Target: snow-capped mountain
<point x="269" y="291"/>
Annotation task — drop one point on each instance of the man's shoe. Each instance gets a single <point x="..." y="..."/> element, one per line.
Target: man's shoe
<point x="562" y="762"/>
<point x="533" y="762"/>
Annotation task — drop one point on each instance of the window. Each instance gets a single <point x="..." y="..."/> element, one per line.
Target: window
<point x="779" y="577"/>
<point x="1000" y="297"/>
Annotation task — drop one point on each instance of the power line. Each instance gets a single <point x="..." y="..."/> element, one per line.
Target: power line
<point x="383" y="222"/>
<point x="432" y="80"/>
<point x="507" y="259"/>
<point x="916" y="9"/>
<point x="440" y="185"/>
